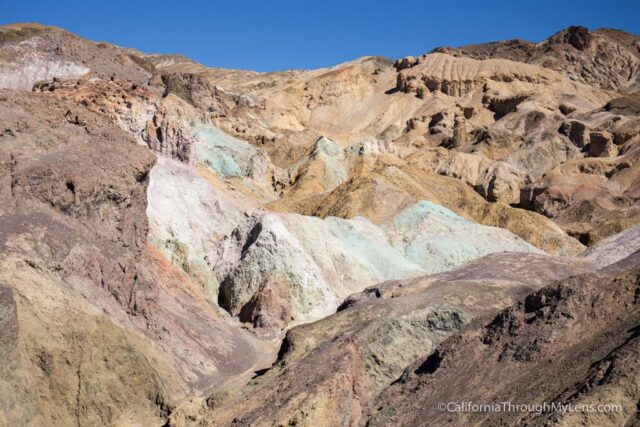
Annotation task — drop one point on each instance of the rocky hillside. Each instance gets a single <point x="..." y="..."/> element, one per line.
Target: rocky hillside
<point x="184" y="245"/>
<point x="607" y="58"/>
<point x="581" y="332"/>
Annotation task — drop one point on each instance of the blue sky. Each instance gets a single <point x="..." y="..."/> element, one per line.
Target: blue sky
<point x="284" y="34"/>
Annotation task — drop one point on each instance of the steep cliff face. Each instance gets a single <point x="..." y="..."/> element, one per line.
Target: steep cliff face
<point x="73" y="224"/>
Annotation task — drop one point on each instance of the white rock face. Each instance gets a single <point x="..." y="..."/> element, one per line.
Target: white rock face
<point x="614" y="248"/>
<point x="322" y="261"/>
<point x="333" y="161"/>
<point x="187" y="218"/>
<point x="270" y="252"/>
<point x="234" y="251"/>
<point x="32" y="66"/>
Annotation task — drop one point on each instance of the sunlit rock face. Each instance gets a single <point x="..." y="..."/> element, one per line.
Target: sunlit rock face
<point x="23" y="76"/>
<point x="324" y="260"/>
<point x="231" y="157"/>
<point x="187" y="218"/>
<point x="318" y="261"/>
<point x="227" y="155"/>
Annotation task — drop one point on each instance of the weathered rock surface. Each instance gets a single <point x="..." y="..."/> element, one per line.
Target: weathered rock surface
<point x="351" y="254"/>
<point x="606" y="57"/>
<point x="613" y="248"/>
<point x="381" y="190"/>
<point x="315" y="262"/>
<point x="453" y="76"/>
<point x="102" y="325"/>
<point x="590" y="198"/>
<point x="31" y="53"/>
<point x="581" y="332"/>
<point x="344" y="369"/>
<point x="329" y="372"/>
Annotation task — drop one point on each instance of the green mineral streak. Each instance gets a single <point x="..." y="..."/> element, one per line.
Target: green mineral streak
<point x="325" y="146"/>
<point x="371" y="245"/>
<point x="332" y="155"/>
<point x="425" y="211"/>
<point x="223" y="153"/>
<point x="437" y="239"/>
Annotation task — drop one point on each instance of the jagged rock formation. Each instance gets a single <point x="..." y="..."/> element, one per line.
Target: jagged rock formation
<point x="584" y="196"/>
<point x="347" y="359"/>
<point x="457" y="77"/>
<point x="607" y="58"/>
<point x="166" y="227"/>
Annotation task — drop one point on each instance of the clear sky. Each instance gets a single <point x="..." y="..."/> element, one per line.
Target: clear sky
<point x="284" y="34"/>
